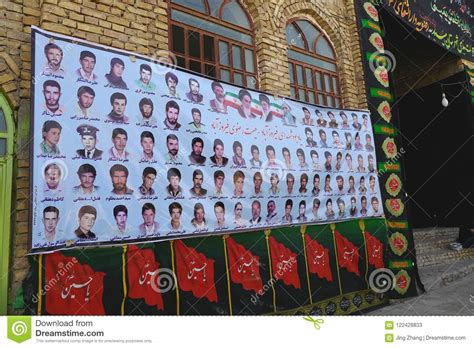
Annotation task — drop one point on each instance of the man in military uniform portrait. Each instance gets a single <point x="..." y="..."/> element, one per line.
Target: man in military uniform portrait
<point x="88" y="135"/>
<point x="119" y="176"/>
<point x="196" y="126"/>
<point x="86" y="217"/>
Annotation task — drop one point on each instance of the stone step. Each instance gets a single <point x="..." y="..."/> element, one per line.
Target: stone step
<point x="425" y="235"/>
<point x="443" y="256"/>
<point x="425" y="248"/>
<point x="445" y="274"/>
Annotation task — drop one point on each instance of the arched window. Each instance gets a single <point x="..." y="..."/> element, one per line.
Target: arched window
<point x="312" y="64"/>
<point x="215" y="38"/>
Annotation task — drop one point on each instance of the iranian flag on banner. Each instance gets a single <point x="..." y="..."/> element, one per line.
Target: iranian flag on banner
<point x="244" y="266"/>
<point x="318" y="259"/>
<point x="232" y="100"/>
<point x="347" y="254"/>
<point x="74" y="289"/>
<point x="374" y="250"/>
<point x="195" y="272"/>
<point x="143" y="281"/>
<point x="276" y="109"/>
<point x="284" y="263"/>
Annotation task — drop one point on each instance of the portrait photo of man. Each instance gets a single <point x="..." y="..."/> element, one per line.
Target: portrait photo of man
<point x="372" y="188"/>
<point x="315" y="160"/>
<point x="245" y="108"/>
<point x="338" y="161"/>
<point x="330" y="214"/>
<point x="267" y="113"/>
<point x="255" y="160"/>
<point x="238" y="158"/>
<point x="256" y="210"/>
<point x="290" y="183"/>
<point x="309" y="137"/>
<point x="362" y="187"/>
<point x="175" y="210"/>
<point x="54" y="57"/>
<point x="239" y="221"/>
<point x="301" y="159"/>
<point x="287" y="218"/>
<point x="172" y="82"/>
<point x="368" y="143"/>
<point x="363" y="204"/>
<point x="303" y="183"/>
<point x="287" y="158"/>
<point x="288" y="118"/>
<point x="218" y="103"/>
<point x="219" y="177"/>
<point x="121" y="229"/>
<point x="174" y="179"/>
<point x="86" y="218"/>
<point x="197" y="190"/>
<point x="302" y="212"/>
<point x="274" y="181"/>
<point x="340" y="184"/>
<point x="149" y="227"/>
<point x="371" y="165"/>
<point x="353" y="208"/>
<point x="147" y="141"/>
<point x="315" y="210"/>
<point x="172" y="115"/>
<point x="219" y="212"/>
<point x="52" y="94"/>
<point x="355" y="122"/>
<point x="352" y="189"/>
<point x="148" y="179"/>
<point x="271" y="157"/>
<point x="119" y="138"/>
<point x="328" y="163"/>
<point x="316" y="182"/>
<point x="271" y="217"/>
<point x="119" y="176"/>
<point x="193" y="94"/>
<point x="320" y="121"/>
<point x="327" y="184"/>
<point x="172" y="144"/>
<point x="88" y="134"/>
<point x="196" y="126"/>
<point x="199" y="219"/>
<point x="307" y="121"/>
<point x="323" y="140"/>
<point x="218" y="157"/>
<point x="87" y="174"/>
<point x="87" y="62"/>
<point x="144" y="82"/>
<point x="114" y="77"/>
<point x="118" y="101"/>
<point x="50" y="223"/>
<point x="345" y="120"/>
<point x="146" y="113"/>
<point x="336" y="140"/>
<point x="85" y="99"/>
<point x="360" y="164"/>
<point x="257" y="183"/>
<point x="349" y="162"/>
<point x="197" y="146"/>
<point x="238" y="179"/>
<point x="348" y="140"/>
<point x="332" y="120"/>
<point x="51" y="135"/>
<point x="341" y="205"/>
<point x="52" y="178"/>
<point x="375" y="206"/>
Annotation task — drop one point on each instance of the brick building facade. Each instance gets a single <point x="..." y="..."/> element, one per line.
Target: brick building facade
<point x="143" y="27"/>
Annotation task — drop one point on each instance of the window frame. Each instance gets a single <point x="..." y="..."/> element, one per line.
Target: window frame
<point x="295" y="84"/>
<point x="216" y="65"/>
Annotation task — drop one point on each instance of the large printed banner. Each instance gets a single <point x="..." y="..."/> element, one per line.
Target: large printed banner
<point x="128" y="150"/>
